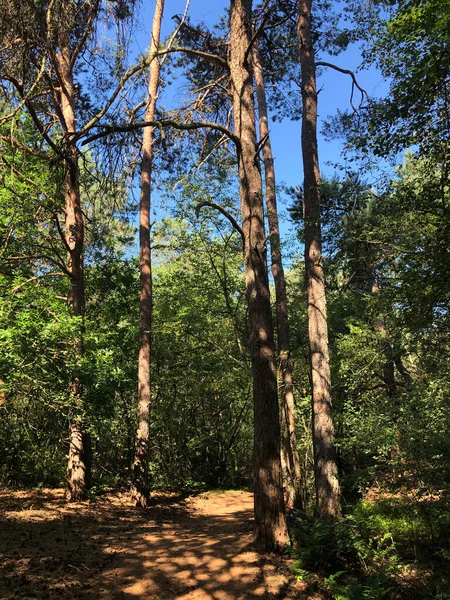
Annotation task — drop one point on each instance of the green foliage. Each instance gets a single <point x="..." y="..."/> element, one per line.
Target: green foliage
<point x="201" y="427"/>
<point x="411" y="49"/>
<point x="388" y="269"/>
<point x="367" y="554"/>
<point x="202" y="399"/>
<point x="407" y="40"/>
<point x="35" y="342"/>
<point x="387" y="264"/>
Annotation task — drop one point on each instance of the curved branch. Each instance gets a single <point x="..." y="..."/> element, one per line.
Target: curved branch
<point x="132" y="71"/>
<point x="109" y="129"/>
<point x="50" y="259"/>
<point x="177" y="29"/>
<point x="364" y="94"/>
<point x="224" y="212"/>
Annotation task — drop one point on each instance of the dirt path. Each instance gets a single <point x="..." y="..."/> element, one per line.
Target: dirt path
<point x="199" y="548"/>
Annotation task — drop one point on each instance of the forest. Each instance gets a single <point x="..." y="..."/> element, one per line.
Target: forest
<point x="224" y="299"/>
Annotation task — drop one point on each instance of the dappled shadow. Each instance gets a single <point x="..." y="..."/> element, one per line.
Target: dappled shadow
<point x="186" y="548"/>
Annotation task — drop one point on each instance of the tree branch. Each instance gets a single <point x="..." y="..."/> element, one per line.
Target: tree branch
<point x="109" y="129"/>
<point x="33" y="115"/>
<point x="46" y="257"/>
<point x="86" y="32"/>
<point x="364" y="94"/>
<point x="177" y="29"/>
<point x="224" y="212"/>
<point x="132" y="71"/>
<point x="36" y="277"/>
<point x="199" y="53"/>
<point x="61" y="234"/>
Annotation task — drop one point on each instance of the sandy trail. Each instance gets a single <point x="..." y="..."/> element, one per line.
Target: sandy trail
<point x="198" y="548"/>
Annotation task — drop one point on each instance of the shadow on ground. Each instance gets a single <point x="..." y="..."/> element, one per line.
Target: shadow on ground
<point x="193" y="548"/>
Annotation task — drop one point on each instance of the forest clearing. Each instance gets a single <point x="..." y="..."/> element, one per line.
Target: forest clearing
<point x="224" y="299"/>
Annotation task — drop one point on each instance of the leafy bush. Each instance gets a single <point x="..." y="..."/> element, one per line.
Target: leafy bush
<point x="367" y="554"/>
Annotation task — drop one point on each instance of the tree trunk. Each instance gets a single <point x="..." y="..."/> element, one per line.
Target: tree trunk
<point x="140" y="485"/>
<point x="327" y="484"/>
<point x="386" y="346"/>
<point x="270" y="521"/>
<point x="79" y="460"/>
<point x="291" y="462"/>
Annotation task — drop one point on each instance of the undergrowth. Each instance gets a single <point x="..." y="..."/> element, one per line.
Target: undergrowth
<point x="389" y="549"/>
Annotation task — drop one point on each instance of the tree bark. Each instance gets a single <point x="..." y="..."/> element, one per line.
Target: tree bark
<point x="270" y="521"/>
<point x="140" y="485"/>
<point x="326" y="479"/>
<point x="79" y="460"/>
<point x="290" y="458"/>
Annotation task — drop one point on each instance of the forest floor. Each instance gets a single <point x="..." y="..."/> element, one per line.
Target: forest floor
<point x="192" y="548"/>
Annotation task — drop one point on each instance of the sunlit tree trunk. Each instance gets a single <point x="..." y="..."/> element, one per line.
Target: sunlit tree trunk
<point x="270" y="521"/>
<point x="140" y="486"/>
<point x="79" y="460"/>
<point x="291" y="462"/>
<point x="326" y="477"/>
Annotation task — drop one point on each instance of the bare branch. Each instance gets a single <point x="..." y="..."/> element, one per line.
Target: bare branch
<point x="61" y="234"/>
<point x="33" y="115"/>
<point x="364" y="94"/>
<point x="175" y="33"/>
<point x="200" y="53"/>
<point x="109" y="129"/>
<point x="86" y="32"/>
<point x="36" y="277"/>
<point x="125" y="77"/>
<point x="224" y="212"/>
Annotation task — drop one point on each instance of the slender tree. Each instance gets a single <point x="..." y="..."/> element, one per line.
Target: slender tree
<point x="290" y="458"/>
<point x="326" y="479"/>
<point x="79" y="459"/>
<point x="270" y="522"/>
<point x="43" y="47"/>
<point x="140" y="488"/>
<point x="49" y="94"/>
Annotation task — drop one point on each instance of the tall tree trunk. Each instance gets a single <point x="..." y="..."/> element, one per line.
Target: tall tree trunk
<point x="327" y="484"/>
<point x="270" y="521"/>
<point x="386" y="346"/>
<point x="140" y="486"/>
<point x="291" y="462"/>
<point x="79" y="460"/>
